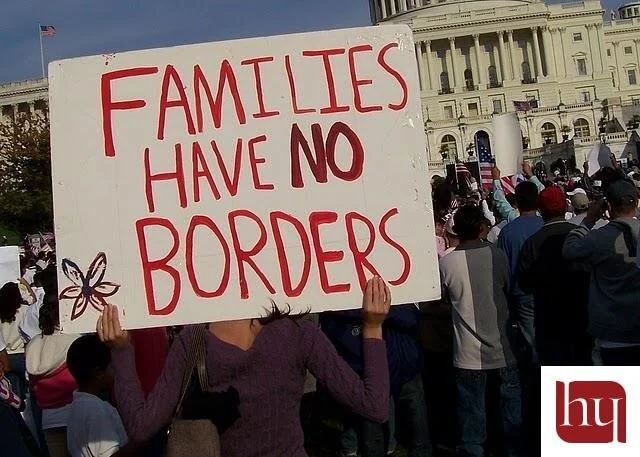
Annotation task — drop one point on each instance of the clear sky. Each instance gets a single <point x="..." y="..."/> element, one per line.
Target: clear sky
<point x="87" y="27"/>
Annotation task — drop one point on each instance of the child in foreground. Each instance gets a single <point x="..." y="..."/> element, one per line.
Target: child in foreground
<point x="94" y="426"/>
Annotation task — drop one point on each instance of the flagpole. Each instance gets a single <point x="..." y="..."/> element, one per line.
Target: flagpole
<point x="41" y="50"/>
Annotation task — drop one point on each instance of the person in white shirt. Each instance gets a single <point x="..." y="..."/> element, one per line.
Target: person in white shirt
<point x="12" y="309"/>
<point x="94" y="428"/>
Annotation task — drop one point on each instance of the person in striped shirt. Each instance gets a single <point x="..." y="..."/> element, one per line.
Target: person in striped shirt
<point x="475" y="279"/>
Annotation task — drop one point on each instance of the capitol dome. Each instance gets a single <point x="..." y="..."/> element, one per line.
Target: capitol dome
<point x="386" y="9"/>
<point x="628" y="10"/>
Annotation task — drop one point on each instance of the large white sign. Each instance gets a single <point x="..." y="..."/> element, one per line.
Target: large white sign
<point x="507" y="146"/>
<point x="9" y="264"/>
<point x="196" y="183"/>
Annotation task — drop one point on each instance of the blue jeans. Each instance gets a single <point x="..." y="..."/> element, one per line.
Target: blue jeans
<point x="471" y="386"/>
<point x="375" y="439"/>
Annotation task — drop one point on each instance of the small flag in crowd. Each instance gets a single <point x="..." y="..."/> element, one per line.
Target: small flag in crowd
<point x="463" y="175"/>
<point x="521" y="105"/>
<point x="47" y="30"/>
<point x="486" y="164"/>
<point x="508" y="183"/>
<point x="7" y="395"/>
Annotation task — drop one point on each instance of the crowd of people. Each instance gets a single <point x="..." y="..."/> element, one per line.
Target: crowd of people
<point x="548" y="275"/>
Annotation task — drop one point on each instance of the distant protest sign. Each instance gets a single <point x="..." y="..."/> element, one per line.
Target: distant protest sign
<point x="9" y="264"/>
<point x="197" y="183"/>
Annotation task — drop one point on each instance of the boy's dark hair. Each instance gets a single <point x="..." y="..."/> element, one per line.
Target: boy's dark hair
<point x="527" y="196"/>
<point x="85" y="357"/>
<point x="467" y="222"/>
<point x="10" y="302"/>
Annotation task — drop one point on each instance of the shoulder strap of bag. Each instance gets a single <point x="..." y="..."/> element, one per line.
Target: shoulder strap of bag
<point x="197" y="347"/>
<point x="201" y="364"/>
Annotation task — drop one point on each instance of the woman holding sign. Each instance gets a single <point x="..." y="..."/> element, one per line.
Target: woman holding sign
<point x="255" y="372"/>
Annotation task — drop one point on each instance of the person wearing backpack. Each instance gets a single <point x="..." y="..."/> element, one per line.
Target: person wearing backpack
<point x="612" y="254"/>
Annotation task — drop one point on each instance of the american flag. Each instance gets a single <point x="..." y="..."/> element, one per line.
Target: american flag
<point x="486" y="164"/>
<point x="463" y="175"/>
<point x="7" y="395"/>
<point x="47" y="30"/>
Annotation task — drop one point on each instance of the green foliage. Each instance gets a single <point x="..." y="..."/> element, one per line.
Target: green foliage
<point x="26" y="202"/>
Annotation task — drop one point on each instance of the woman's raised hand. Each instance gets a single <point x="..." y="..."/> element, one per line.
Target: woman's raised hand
<point x="376" y="302"/>
<point x="109" y="329"/>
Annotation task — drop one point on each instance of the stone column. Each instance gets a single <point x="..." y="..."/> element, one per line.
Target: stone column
<point x="392" y="3"/>
<point x="603" y="48"/>
<point x="403" y="6"/>
<point x="636" y="42"/>
<point x="595" y="55"/>
<point x="481" y="80"/>
<point x="430" y="67"/>
<point x="616" y="46"/>
<point x="454" y="68"/>
<point x="549" y="58"/>
<point x="557" y="52"/>
<point x="512" y="51"/>
<point x="383" y="8"/>
<point x="421" y="69"/>
<point x="32" y="108"/>
<point x="503" y="59"/>
<point x="562" y="31"/>
<point x="536" y="51"/>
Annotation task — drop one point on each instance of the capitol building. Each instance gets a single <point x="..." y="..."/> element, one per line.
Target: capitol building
<point x="570" y="70"/>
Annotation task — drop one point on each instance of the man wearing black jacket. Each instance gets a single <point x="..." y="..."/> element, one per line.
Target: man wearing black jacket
<point x="560" y="287"/>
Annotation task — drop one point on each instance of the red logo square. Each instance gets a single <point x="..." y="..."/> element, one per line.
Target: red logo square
<point x="591" y="412"/>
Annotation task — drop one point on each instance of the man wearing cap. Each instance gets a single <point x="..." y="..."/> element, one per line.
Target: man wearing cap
<point x="612" y="253"/>
<point x="559" y="286"/>
<point x="580" y="204"/>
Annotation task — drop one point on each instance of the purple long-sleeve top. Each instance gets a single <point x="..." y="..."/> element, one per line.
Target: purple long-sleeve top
<point x="270" y="380"/>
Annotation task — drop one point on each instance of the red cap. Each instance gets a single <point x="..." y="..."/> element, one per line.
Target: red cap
<point x="552" y="201"/>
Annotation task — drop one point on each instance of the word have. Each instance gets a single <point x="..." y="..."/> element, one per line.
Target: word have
<point x="232" y="249"/>
<point x="227" y="83"/>
<point x="321" y="159"/>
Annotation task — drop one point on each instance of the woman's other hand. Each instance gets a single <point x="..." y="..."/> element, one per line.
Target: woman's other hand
<point x="375" y="307"/>
<point x="109" y="329"/>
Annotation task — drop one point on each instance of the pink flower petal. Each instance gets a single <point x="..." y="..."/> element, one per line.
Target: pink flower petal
<point x="71" y="292"/>
<point x="97" y="269"/>
<point x="72" y="272"/>
<point x="106" y="289"/>
<point x="79" y="307"/>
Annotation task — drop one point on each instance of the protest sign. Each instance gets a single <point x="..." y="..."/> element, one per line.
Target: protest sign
<point x="9" y="264"/>
<point x="197" y="183"/>
<point x="599" y="157"/>
<point x="507" y="146"/>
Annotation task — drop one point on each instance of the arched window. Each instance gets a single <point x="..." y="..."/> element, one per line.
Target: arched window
<point x="526" y="72"/>
<point x="468" y="79"/>
<point x="549" y="133"/>
<point x="493" y="76"/>
<point x="448" y="144"/>
<point x="444" y="82"/>
<point x="581" y="128"/>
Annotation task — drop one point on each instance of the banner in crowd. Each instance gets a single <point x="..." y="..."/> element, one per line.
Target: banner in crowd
<point x="40" y="242"/>
<point x="507" y="144"/>
<point x="198" y="183"/>
<point x="9" y="264"/>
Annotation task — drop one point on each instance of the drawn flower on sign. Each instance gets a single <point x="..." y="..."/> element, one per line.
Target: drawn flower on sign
<point x="89" y="289"/>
